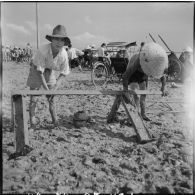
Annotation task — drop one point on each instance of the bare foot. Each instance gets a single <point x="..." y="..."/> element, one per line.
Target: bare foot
<point x="145" y="117"/>
<point x="113" y="120"/>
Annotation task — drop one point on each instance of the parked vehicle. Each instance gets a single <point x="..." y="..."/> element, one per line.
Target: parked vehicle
<point x="114" y="64"/>
<point x="89" y="58"/>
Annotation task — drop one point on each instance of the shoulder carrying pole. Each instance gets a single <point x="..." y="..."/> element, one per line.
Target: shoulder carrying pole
<point x="165" y="43"/>
<point x="152" y="38"/>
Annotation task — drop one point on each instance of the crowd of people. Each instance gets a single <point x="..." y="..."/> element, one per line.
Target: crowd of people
<point x="17" y="54"/>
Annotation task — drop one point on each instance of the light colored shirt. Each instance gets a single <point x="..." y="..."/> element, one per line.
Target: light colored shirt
<point x="28" y="49"/>
<point x="43" y="58"/>
<point x="74" y="53"/>
<point x="101" y="52"/>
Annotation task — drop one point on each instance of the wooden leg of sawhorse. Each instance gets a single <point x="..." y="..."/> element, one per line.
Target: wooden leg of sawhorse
<point x="134" y="117"/>
<point x="114" y="109"/>
<point x="20" y="123"/>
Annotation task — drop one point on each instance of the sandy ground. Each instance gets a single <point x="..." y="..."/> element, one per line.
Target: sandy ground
<point x="99" y="157"/>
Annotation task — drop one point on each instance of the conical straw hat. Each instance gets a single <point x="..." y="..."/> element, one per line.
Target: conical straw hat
<point x="153" y="60"/>
<point x="188" y="49"/>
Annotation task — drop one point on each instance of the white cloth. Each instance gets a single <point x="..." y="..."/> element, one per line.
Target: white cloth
<point x="43" y="58"/>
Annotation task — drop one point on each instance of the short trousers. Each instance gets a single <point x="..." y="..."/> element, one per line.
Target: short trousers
<point x="138" y="77"/>
<point x="34" y="79"/>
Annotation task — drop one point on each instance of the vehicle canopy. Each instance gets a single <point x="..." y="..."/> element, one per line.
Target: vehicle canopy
<point x="121" y="44"/>
<point x="114" y="47"/>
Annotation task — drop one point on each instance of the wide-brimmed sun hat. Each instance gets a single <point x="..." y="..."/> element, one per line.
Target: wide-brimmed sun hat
<point x="60" y="32"/>
<point x="153" y="60"/>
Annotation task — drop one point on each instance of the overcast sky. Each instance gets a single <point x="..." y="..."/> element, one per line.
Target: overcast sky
<point x="94" y="23"/>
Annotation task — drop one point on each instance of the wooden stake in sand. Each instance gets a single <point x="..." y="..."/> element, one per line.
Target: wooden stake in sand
<point x="20" y="122"/>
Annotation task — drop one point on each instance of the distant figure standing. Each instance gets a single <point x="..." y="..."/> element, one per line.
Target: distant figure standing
<point x="28" y="52"/>
<point x="48" y="59"/>
<point x="186" y="58"/>
<point x="103" y="56"/>
<point x="74" y="54"/>
<point x="7" y="53"/>
<point x="19" y="55"/>
<point x="101" y="52"/>
<point x="88" y="57"/>
<point x="16" y="54"/>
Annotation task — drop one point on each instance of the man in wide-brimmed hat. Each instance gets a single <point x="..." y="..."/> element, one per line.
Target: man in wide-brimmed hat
<point x="49" y="58"/>
<point x="152" y="60"/>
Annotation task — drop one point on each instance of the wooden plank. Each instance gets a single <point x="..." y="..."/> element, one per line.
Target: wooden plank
<point x="135" y="118"/>
<point x="81" y="92"/>
<point x="167" y="105"/>
<point x="164" y="112"/>
<point x="66" y="92"/>
<point x="20" y="123"/>
<point x="12" y="113"/>
<point x="166" y="101"/>
<point x="114" y="109"/>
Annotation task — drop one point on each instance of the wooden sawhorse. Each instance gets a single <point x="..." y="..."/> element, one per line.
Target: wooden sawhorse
<point x="20" y="120"/>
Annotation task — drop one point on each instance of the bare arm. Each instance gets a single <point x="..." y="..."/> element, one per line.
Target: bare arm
<point x="59" y="80"/>
<point x="43" y="81"/>
<point x="131" y="68"/>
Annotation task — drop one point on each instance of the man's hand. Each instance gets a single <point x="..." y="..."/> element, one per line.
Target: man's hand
<point x="56" y="86"/>
<point x="50" y="97"/>
<point x="59" y="81"/>
<point x="164" y="93"/>
<point x="43" y="81"/>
